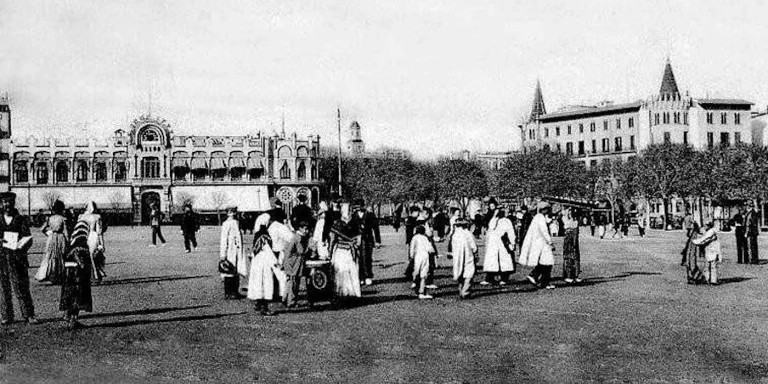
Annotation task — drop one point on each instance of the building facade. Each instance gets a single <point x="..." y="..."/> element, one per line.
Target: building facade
<point x="594" y="133"/>
<point x="133" y="169"/>
<point x="5" y="143"/>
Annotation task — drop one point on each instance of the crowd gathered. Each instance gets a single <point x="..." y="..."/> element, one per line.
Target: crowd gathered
<point x="331" y="248"/>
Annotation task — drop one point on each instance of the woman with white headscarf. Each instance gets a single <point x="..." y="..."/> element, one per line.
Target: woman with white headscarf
<point x="500" y="239"/>
<point x="319" y="241"/>
<point x="345" y="250"/>
<point x="261" y="280"/>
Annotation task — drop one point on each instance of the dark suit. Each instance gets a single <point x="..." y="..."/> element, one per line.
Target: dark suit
<point x="189" y="226"/>
<point x="752" y="230"/>
<point x="13" y="270"/>
<point x="302" y="213"/>
<point x="293" y="264"/>
<point x="741" y="241"/>
<point x="369" y="229"/>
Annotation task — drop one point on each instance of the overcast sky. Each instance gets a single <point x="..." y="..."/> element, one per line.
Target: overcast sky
<point x="428" y="76"/>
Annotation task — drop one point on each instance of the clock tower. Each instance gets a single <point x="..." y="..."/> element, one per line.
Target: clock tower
<point x="5" y="143"/>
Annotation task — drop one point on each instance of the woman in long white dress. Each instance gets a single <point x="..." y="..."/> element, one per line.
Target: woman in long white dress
<point x="500" y="240"/>
<point x="52" y="266"/>
<point x="345" y="249"/>
<point x="261" y="279"/>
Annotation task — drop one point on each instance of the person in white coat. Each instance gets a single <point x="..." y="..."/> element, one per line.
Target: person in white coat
<point x="537" y="250"/>
<point x="712" y="254"/>
<point x="262" y="278"/>
<point x="499" y="249"/>
<point x="231" y="250"/>
<point x="421" y="248"/>
<point x="464" y="256"/>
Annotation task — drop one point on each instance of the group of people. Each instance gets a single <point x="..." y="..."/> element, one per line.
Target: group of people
<point x="189" y="225"/>
<point x="504" y="235"/>
<point x="73" y="256"/>
<point x="342" y="233"/>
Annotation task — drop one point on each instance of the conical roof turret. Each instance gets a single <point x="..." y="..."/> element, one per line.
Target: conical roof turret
<point x="669" y="89"/>
<point x="538" y="108"/>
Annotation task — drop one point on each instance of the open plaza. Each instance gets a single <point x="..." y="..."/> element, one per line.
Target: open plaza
<point x="159" y="316"/>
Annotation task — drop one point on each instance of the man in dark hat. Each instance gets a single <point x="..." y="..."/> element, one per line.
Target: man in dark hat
<point x="371" y="237"/>
<point x="751" y="231"/>
<point x="302" y="212"/>
<point x="189" y="228"/>
<point x="16" y="240"/>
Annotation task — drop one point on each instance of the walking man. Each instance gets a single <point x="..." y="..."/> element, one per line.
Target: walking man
<point x="189" y="227"/>
<point x="155" y="219"/>
<point x="371" y="237"/>
<point x="14" y="264"/>
<point x="741" y="236"/>
<point x="752" y="230"/>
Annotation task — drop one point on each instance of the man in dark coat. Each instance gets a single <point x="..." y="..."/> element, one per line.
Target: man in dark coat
<point x="525" y="224"/>
<point x="410" y="226"/>
<point x="293" y="263"/>
<point x="301" y="213"/>
<point x="737" y="222"/>
<point x="189" y="228"/>
<point x="16" y="240"/>
<point x="752" y="230"/>
<point x="369" y="229"/>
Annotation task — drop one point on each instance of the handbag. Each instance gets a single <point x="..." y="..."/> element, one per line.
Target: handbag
<point x="225" y="267"/>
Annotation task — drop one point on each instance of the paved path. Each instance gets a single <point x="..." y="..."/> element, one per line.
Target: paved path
<point x="160" y="317"/>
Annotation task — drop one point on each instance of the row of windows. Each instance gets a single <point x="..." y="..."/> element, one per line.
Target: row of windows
<point x="592" y="127"/>
<point x="605" y="146"/>
<point x="150" y="169"/>
<point x="723" y="118"/>
<point x="670" y="118"/>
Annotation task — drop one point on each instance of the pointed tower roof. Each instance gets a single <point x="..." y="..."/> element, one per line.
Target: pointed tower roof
<point x="668" y="83"/>
<point x="538" y="107"/>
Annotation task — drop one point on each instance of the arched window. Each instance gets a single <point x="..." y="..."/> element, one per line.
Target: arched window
<point x="100" y="171"/>
<point x="20" y="172"/>
<point x="81" y="170"/>
<point x="150" y="168"/>
<point x="41" y="173"/>
<point x="285" y="172"/>
<point x="301" y="172"/>
<point x="120" y="170"/>
<point x="62" y="172"/>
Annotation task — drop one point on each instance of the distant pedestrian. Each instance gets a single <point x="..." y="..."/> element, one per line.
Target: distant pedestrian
<point x="601" y="223"/>
<point x="752" y="230"/>
<point x="16" y="238"/>
<point x="155" y="221"/>
<point x="410" y="227"/>
<point x="499" y="260"/>
<point x="55" y="228"/>
<point x="396" y="216"/>
<point x="538" y="250"/>
<point x="740" y="230"/>
<point x="189" y="227"/>
<point x="592" y="223"/>
<point x="642" y="222"/>
<point x="421" y="249"/>
<point x="711" y="248"/>
<point x="231" y="252"/>
<point x="571" y="251"/>
<point x="688" y="221"/>
<point x="464" y="256"/>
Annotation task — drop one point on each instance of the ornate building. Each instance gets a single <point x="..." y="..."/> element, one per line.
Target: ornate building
<point x="593" y="133"/>
<point x="130" y="170"/>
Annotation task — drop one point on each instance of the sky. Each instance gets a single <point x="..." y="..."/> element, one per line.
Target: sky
<point x="431" y="77"/>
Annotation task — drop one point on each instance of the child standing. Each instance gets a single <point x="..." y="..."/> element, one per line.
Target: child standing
<point x="711" y="246"/>
<point x="421" y="248"/>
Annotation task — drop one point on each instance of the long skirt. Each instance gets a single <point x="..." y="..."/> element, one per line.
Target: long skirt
<point x="51" y="266"/>
<point x="571" y="254"/>
<point x="76" y="287"/>
<point x="346" y="273"/>
<point x="692" y="253"/>
<point x="261" y="279"/>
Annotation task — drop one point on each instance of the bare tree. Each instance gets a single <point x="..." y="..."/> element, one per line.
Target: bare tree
<point x="182" y="199"/>
<point x="219" y="200"/>
<point x="50" y="197"/>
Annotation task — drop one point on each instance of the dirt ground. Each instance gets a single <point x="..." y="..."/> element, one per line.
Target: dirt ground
<point x="160" y="317"/>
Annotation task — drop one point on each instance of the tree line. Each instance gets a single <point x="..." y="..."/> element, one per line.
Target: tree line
<point x="661" y="171"/>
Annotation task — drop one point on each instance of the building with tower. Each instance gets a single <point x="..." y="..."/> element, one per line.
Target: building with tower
<point x="595" y="133"/>
<point x="355" y="144"/>
<point x="147" y="163"/>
